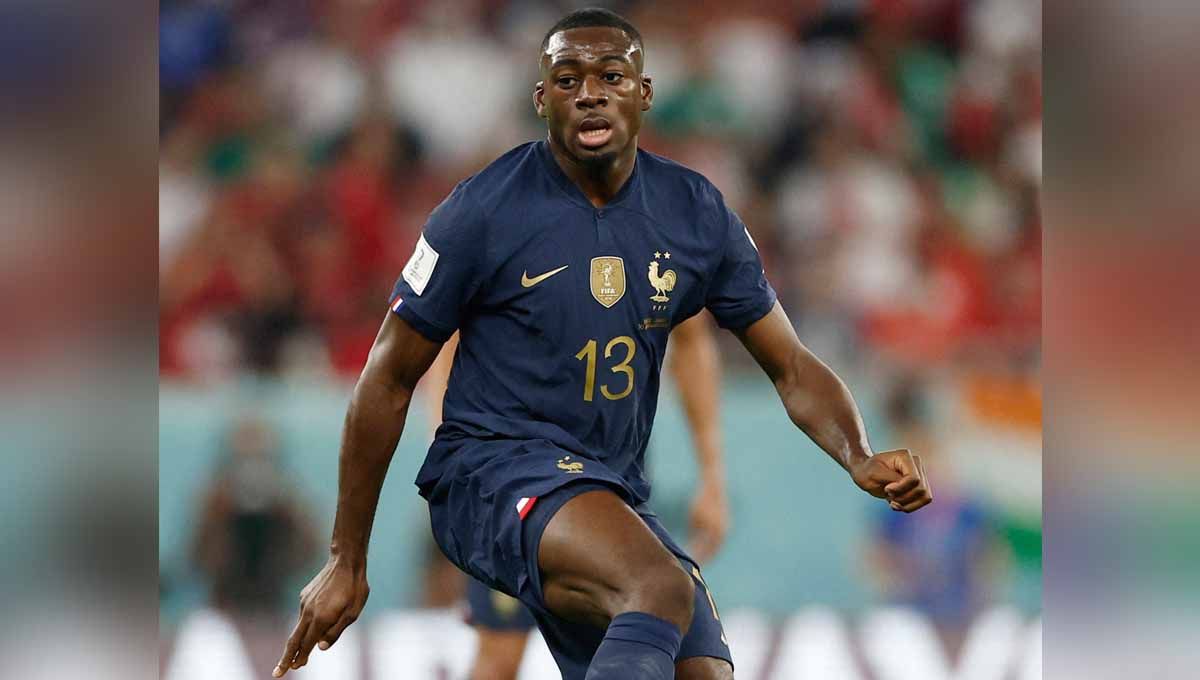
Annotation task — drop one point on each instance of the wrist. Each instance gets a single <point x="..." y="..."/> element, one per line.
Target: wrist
<point x="342" y="557"/>
<point x="712" y="478"/>
<point x="856" y="456"/>
<point x="857" y="468"/>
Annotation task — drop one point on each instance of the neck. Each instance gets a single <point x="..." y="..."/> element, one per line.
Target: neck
<point x="599" y="181"/>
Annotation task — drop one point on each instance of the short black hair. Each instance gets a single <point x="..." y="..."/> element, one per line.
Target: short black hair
<point x="593" y="16"/>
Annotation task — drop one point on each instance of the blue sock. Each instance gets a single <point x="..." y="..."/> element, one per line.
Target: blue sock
<point x="637" y="646"/>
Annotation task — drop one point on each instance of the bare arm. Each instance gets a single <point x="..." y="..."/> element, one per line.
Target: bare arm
<point x="819" y="403"/>
<point x="816" y="400"/>
<point x="696" y="369"/>
<point x="374" y="421"/>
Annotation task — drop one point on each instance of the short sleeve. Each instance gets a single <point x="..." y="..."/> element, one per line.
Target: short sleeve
<point x="739" y="293"/>
<point x="444" y="271"/>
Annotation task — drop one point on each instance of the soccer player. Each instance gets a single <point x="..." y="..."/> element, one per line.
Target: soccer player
<point x="503" y="624"/>
<point x="564" y="265"/>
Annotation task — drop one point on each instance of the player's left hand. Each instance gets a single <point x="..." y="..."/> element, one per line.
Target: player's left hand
<point x="897" y="476"/>
<point x="708" y="521"/>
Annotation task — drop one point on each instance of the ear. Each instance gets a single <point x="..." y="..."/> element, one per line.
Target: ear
<point x="539" y="90"/>
<point x="647" y="93"/>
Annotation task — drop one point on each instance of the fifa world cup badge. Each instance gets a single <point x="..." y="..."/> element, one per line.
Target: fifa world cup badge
<point x="608" y="279"/>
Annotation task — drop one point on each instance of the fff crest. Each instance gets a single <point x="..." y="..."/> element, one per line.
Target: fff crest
<point x="608" y="279"/>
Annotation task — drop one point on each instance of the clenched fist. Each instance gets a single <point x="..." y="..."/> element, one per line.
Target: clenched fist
<point x="897" y="476"/>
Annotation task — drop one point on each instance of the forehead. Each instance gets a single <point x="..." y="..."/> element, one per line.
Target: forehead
<point x="589" y="43"/>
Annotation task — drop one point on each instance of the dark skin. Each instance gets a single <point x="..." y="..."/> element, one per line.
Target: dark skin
<point x="374" y="421"/>
<point x="695" y="367"/>
<point x="589" y="74"/>
<point x="593" y="74"/>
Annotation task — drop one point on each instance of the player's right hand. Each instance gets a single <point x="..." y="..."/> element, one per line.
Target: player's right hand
<point x="896" y="476"/>
<point x="328" y="604"/>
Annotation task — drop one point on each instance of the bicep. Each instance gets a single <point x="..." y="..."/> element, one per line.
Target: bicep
<point x="401" y="354"/>
<point x="774" y="345"/>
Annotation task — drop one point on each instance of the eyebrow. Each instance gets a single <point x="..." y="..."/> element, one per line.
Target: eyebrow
<point x="572" y="61"/>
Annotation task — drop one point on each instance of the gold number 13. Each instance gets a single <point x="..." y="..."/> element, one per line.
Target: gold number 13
<point x="588" y="353"/>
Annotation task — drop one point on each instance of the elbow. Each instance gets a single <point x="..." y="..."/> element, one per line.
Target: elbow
<point x="789" y="382"/>
<point x="378" y="388"/>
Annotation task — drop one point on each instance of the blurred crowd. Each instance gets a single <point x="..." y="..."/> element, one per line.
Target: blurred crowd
<point x="885" y="154"/>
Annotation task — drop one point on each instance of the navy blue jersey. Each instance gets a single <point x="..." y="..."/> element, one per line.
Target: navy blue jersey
<point x="564" y="309"/>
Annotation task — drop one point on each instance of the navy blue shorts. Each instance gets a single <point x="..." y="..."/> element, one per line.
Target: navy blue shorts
<point x="493" y="610"/>
<point x="489" y="520"/>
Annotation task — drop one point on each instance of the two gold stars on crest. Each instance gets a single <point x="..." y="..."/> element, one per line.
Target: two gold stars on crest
<point x="661" y="256"/>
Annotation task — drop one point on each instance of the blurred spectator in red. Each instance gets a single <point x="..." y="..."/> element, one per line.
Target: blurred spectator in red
<point x="885" y="155"/>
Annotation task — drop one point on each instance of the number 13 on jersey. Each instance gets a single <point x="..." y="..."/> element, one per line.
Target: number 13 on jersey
<point x="588" y="354"/>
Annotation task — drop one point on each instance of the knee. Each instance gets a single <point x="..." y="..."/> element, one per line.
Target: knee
<point x="664" y="590"/>
<point x="658" y="587"/>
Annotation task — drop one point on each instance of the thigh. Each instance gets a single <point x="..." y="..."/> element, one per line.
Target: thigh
<point x="590" y="550"/>
<point x="482" y="514"/>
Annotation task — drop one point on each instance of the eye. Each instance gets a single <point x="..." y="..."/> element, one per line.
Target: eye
<point x="613" y="77"/>
<point x="567" y="81"/>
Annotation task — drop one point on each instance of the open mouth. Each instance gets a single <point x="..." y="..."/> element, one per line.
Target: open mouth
<point x="594" y="132"/>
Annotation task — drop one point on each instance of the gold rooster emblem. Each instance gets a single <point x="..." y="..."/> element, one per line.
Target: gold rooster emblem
<point x="569" y="467"/>
<point x="663" y="283"/>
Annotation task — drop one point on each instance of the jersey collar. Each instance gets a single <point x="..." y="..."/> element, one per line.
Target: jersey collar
<point x="574" y="192"/>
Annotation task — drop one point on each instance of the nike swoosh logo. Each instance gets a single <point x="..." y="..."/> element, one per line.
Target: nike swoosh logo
<point x="527" y="282"/>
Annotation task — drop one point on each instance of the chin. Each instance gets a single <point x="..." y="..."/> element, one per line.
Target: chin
<point x="602" y="156"/>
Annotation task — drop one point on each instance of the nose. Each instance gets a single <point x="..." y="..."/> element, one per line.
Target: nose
<point x="591" y="94"/>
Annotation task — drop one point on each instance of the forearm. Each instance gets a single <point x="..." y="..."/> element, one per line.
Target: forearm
<point x="710" y="463"/>
<point x="820" y="404"/>
<point x="374" y="423"/>
<point x="696" y="370"/>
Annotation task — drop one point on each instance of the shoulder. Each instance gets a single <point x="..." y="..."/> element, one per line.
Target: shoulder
<point x="502" y="181"/>
<point x="669" y="175"/>
<point x="468" y="210"/>
<point x="666" y="179"/>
